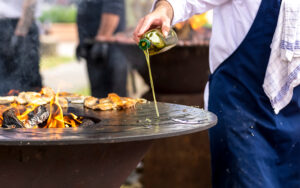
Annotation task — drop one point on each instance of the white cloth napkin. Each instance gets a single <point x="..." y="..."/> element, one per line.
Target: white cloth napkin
<point x="283" y="71"/>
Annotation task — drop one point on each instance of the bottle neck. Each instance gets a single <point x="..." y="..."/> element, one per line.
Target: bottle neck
<point x="144" y="44"/>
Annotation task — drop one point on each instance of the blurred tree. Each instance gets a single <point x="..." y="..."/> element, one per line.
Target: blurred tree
<point x="136" y="9"/>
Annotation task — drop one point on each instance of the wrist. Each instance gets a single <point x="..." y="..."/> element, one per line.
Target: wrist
<point x="103" y="37"/>
<point x="165" y="7"/>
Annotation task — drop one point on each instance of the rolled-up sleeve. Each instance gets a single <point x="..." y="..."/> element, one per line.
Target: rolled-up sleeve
<point x="113" y="6"/>
<point x="184" y="9"/>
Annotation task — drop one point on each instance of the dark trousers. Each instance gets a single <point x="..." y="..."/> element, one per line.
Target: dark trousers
<point x="20" y="70"/>
<point x="110" y="75"/>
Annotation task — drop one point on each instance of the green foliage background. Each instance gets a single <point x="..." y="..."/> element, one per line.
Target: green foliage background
<point x="59" y="14"/>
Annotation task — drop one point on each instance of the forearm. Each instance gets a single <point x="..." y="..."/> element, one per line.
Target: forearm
<point x="109" y="24"/>
<point x="166" y="13"/>
<point x="27" y="17"/>
<point x="184" y="9"/>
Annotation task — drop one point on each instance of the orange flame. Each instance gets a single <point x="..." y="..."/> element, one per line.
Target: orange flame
<point x="196" y="22"/>
<point x="56" y="117"/>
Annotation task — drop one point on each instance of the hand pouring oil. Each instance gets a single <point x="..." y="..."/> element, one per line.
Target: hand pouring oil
<point x="153" y="42"/>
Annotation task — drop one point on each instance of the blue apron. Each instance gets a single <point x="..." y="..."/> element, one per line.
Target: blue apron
<point x="252" y="147"/>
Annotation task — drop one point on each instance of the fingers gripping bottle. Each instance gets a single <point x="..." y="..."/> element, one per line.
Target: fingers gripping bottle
<point x="156" y="43"/>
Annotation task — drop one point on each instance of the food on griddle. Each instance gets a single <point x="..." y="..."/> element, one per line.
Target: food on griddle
<point x="63" y="102"/>
<point x="112" y="102"/>
<point x="44" y="109"/>
<point x="31" y="97"/>
<point x="90" y="102"/>
<point x="7" y="99"/>
<point x="47" y="92"/>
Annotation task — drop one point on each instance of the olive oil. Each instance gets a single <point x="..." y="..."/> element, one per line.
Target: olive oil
<point x="156" y="43"/>
<point x="153" y="42"/>
<point x="151" y="81"/>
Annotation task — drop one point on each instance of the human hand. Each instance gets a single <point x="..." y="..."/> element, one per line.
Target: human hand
<point x="104" y="38"/>
<point x="99" y="52"/>
<point x="83" y="50"/>
<point x="161" y="17"/>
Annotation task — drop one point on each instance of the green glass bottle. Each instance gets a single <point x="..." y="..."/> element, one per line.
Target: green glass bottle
<point x="156" y="43"/>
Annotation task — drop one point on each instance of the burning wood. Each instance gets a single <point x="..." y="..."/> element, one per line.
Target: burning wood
<point x="38" y="117"/>
<point x="10" y="120"/>
<point x="45" y="109"/>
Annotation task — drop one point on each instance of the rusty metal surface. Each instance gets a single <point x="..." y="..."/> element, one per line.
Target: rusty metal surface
<point x="183" y="69"/>
<point x="136" y="124"/>
<point x="76" y="166"/>
<point x="186" y="159"/>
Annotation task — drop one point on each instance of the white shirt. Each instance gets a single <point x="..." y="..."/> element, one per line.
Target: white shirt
<point x="14" y="8"/>
<point x="232" y="20"/>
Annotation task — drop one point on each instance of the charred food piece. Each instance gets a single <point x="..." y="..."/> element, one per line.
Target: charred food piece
<point x="38" y="117"/>
<point x="10" y="120"/>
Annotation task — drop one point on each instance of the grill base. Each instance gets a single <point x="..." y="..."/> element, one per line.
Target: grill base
<point x="94" y="165"/>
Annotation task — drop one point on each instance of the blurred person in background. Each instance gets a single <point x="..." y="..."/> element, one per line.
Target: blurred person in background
<point x="99" y="20"/>
<point x="19" y="46"/>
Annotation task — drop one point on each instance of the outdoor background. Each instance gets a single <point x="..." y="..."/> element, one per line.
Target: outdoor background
<point x="59" y="66"/>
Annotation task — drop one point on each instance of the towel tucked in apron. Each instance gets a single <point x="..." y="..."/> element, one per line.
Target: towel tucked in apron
<point x="251" y="146"/>
<point x="283" y="71"/>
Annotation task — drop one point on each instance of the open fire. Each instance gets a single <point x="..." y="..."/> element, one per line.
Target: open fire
<point x="195" y="30"/>
<point x="43" y="111"/>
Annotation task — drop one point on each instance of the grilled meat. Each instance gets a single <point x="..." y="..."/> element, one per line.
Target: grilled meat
<point x="112" y="102"/>
<point x="7" y="99"/>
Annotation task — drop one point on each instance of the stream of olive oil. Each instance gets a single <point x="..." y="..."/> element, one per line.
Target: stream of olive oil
<point x="151" y="81"/>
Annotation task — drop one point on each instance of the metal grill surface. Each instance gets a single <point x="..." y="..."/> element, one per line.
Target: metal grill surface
<point x="127" y="125"/>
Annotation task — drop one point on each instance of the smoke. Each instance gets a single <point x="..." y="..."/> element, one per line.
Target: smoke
<point x="19" y="58"/>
